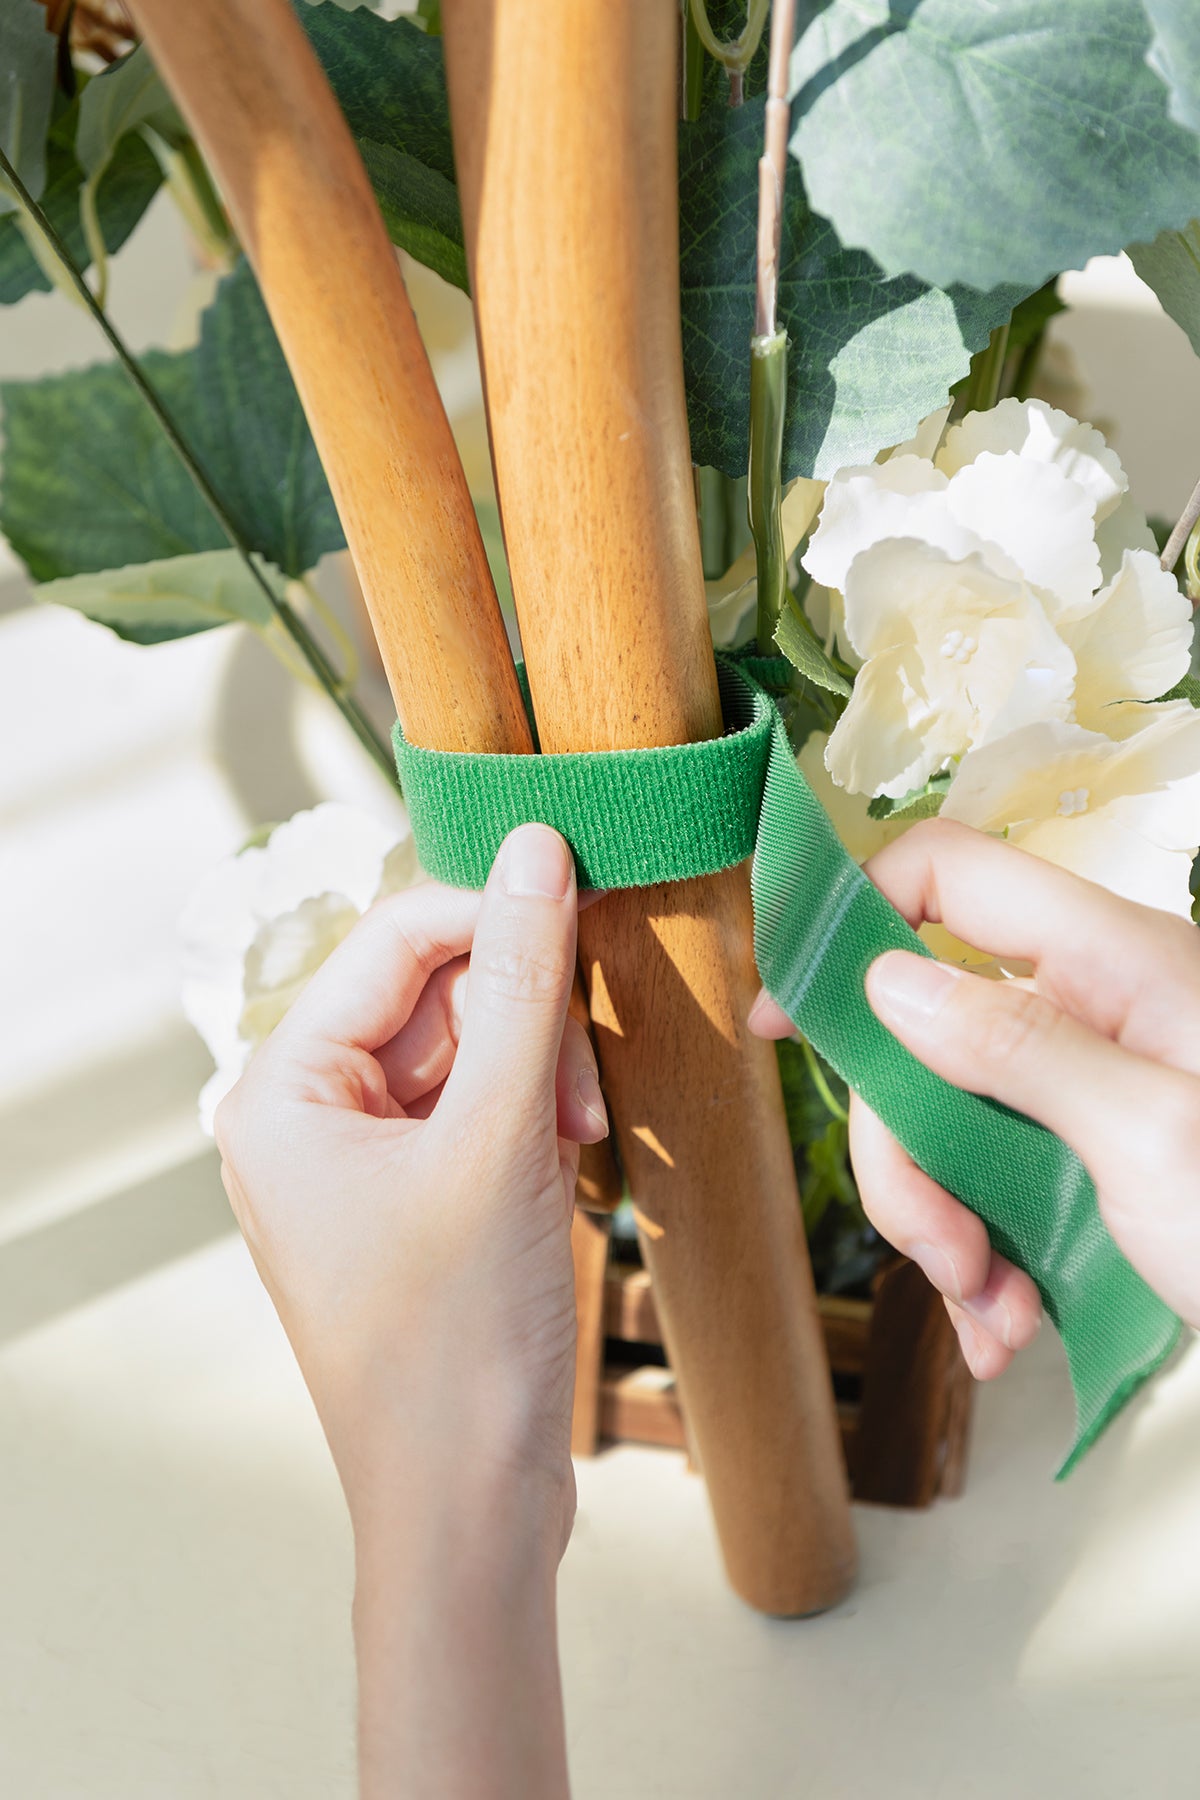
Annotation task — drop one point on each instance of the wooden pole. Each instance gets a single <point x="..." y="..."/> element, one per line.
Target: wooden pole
<point x="565" y="139"/>
<point x="245" y="77"/>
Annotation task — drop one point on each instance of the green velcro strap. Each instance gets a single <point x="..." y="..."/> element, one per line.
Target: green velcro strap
<point x="631" y="817"/>
<point x="638" y="817"/>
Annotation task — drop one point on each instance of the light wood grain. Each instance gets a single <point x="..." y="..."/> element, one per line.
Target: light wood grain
<point x="245" y="78"/>
<point x="565" y="137"/>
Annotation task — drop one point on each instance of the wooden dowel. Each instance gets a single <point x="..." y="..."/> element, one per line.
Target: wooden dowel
<point x="250" y="87"/>
<point x="245" y="77"/>
<point x="565" y="129"/>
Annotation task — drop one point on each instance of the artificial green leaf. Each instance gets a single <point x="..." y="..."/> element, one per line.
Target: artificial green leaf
<point x="27" y="62"/>
<point x="868" y="357"/>
<point x="420" y="209"/>
<point x="795" y="637"/>
<point x="153" y="602"/>
<point x="1174" y="55"/>
<point x="91" y="483"/>
<point x="128" y="95"/>
<point x="1188" y="689"/>
<point x="389" y="78"/>
<point x="1171" y="266"/>
<point x="124" y="191"/>
<point x="988" y="144"/>
<point x="923" y="803"/>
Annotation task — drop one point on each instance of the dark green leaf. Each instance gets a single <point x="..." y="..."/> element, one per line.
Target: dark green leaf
<point x="389" y="78"/>
<point x="989" y="144"/>
<point x="796" y="639"/>
<point x="1171" y="266"/>
<point x="27" y="61"/>
<point x="129" y="183"/>
<point x="868" y="357"/>
<point x="90" y="482"/>
<point x="1175" y="55"/>
<point x="924" y="803"/>
<point x="420" y="209"/>
<point x="1188" y="689"/>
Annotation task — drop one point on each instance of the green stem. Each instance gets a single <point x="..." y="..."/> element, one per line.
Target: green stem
<point x="693" y="66"/>
<point x="734" y="54"/>
<point x="288" y="618"/>
<point x="764" y="488"/>
<point x="987" y="370"/>
<point x="822" y="1086"/>
<point x="1026" y="370"/>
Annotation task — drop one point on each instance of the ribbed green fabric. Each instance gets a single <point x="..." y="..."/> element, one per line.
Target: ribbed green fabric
<point x="637" y="817"/>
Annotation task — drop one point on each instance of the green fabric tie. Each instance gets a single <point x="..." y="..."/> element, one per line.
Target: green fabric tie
<point x="634" y="818"/>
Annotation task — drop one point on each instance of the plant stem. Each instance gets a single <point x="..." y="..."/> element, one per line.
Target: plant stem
<point x="769" y="346"/>
<point x="987" y="371"/>
<point x="1173" y="548"/>
<point x="819" y="1082"/>
<point x="734" y="54"/>
<point x="693" y="66"/>
<point x="764" y="488"/>
<point x="289" y="619"/>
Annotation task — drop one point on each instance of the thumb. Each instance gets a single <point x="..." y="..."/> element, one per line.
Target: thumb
<point x="518" y="984"/>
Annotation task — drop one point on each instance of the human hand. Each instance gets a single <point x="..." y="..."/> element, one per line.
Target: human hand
<point x="401" y="1156"/>
<point x="1101" y="1044"/>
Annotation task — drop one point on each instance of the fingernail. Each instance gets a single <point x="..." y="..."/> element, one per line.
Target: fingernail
<point x="591" y="1099"/>
<point x="758" y="1009"/>
<point x="536" y="863"/>
<point x="993" y="1315"/>
<point x="939" y="1266"/>
<point x="964" y="1331"/>
<point x="910" y="989"/>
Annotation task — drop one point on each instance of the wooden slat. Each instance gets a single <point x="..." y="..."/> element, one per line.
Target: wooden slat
<point x="906" y="1386"/>
<point x="641" y="1406"/>
<point x="589" y="1251"/>
<point x="631" y="1315"/>
<point x="565" y="143"/>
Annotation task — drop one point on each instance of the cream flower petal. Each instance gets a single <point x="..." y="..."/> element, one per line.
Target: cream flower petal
<point x="1124" y="529"/>
<point x="1039" y="433"/>
<point x="261" y="922"/>
<point x="904" y="497"/>
<point x="885" y="742"/>
<point x="925" y="439"/>
<point x="860" y="833"/>
<point x="1134" y="644"/>
<point x="1039" y="518"/>
<point x="1124" y="813"/>
<point x="957" y="655"/>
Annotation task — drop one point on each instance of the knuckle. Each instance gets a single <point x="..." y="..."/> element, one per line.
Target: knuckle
<point x="1012" y="1025"/>
<point x="521" y="975"/>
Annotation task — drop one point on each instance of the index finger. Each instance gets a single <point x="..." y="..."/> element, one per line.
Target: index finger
<point x="1129" y="972"/>
<point x="364" y="993"/>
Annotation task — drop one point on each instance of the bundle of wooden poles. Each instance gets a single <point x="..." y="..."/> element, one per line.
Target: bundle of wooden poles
<point x="565" y="143"/>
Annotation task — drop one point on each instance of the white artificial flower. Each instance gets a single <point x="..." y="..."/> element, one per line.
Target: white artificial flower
<point x="1038" y="433"/>
<point x="861" y="835"/>
<point x="1121" y="807"/>
<point x="999" y="580"/>
<point x="263" y="921"/>
<point x="954" y="654"/>
<point x="1135" y="643"/>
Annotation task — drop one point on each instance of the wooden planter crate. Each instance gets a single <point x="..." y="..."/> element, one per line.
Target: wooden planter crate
<point x="904" y="1392"/>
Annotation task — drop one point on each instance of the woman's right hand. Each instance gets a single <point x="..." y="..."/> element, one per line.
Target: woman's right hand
<point x="1102" y="1045"/>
